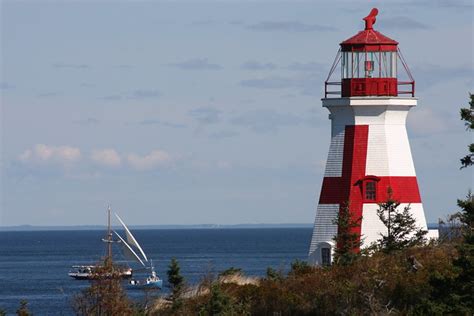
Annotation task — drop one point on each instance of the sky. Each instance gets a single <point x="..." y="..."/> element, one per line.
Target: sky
<point x="180" y="112"/>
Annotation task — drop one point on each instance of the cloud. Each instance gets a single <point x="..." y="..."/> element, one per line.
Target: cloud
<point x="5" y="86"/>
<point x="255" y="65"/>
<point x="206" y="115"/>
<point x="204" y="23"/>
<point x="427" y="75"/>
<point x="308" y="67"/>
<point x="106" y="157"/>
<point x="425" y="122"/>
<point x="41" y="153"/>
<point x="306" y="83"/>
<point x="124" y="66"/>
<point x="87" y="85"/>
<point x="70" y="66"/>
<point x="114" y="97"/>
<point x="445" y="4"/>
<point x="223" y="134"/>
<point x="48" y="94"/>
<point x="289" y="26"/>
<point x="145" y="94"/>
<point x="196" y="64"/>
<point x="269" y="83"/>
<point x="153" y="160"/>
<point x="87" y="122"/>
<point x="262" y="121"/>
<point x="161" y="123"/>
<point x="402" y="22"/>
<point x="139" y="94"/>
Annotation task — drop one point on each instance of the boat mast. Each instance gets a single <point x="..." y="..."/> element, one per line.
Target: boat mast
<point x="109" y="236"/>
<point x="108" y="239"/>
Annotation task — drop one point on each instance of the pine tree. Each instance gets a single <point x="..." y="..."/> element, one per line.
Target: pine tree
<point x="402" y="231"/>
<point x="23" y="309"/>
<point x="468" y="117"/>
<point x="465" y="260"/>
<point x="348" y="240"/>
<point x="175" y="281"/>
<point x="219" y="302"/>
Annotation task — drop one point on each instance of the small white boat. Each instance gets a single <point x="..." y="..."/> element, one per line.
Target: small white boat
<point x="131" y="247"/>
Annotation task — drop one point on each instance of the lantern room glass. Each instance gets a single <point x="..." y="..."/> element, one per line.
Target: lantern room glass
<point x="369" y="64"/>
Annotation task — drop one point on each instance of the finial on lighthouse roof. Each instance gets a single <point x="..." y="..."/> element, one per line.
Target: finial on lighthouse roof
<point x="370" y="19"/>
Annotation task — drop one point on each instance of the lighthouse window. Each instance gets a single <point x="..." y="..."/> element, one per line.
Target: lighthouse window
<point x="388" y="64"/>
<point x="367" y="64"/>
<point x="370" y="190"/>
<point x="325" y="256"/>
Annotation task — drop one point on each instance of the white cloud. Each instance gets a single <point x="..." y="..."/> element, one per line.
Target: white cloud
<point x="106" y="157"/>
<point x="41" y="153"/>
<point x="154" y="159"/>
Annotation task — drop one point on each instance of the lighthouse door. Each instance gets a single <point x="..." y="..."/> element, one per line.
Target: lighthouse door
<point x="325" y="256"/>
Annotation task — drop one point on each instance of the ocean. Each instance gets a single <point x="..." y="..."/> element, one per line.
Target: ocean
<point x="34" y="264"/>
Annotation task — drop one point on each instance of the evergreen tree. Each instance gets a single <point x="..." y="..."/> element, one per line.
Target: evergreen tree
<point x="175" y="281"/>
<point x="219" y="302"/>
<point x="402" y="231"/>
<point x="274" y="275"/>
<point x="468" y="117"/>
<point x="465" y="260"/>
<point x="348" y="241"/>
<point x="23" y="309"/>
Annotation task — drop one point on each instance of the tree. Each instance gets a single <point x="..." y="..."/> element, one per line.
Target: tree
<point x="219" y="303"/>
<point x="274" y="275"/>
<point x="468" y="117"/>
<point x="23" y="309"/>
<point x="402" y="231"/>
<point x="464" y="284"/>
<point x="348" y="241"/>
<point x="105" y="296"/>
<point x="175" y="281"/>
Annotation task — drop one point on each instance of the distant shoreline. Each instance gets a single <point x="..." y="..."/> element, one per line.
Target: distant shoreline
<point x="138" y="227"/>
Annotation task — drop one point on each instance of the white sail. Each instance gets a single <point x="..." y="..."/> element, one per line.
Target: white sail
<point x="131" y="240"/>
<point x="129" y="250"/>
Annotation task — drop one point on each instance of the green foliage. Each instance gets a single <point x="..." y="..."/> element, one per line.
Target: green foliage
<point x="176" y="282"/>
<point x="347" y="240"/>
<point x="219" y="303"/>
<point x="299" y="267"/>
<point x="402" y="231"/>
<point x="274" y="275"/>
<point x="468" y="117"/>
<point x="23" y="309"/>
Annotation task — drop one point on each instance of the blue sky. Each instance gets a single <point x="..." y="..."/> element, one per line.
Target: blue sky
<point x="207" y="112"/>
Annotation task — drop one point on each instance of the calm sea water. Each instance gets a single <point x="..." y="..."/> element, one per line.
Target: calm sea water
<point x="34" y="265"/>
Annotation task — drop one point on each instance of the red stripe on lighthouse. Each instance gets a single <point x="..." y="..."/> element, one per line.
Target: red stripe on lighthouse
<point x="340" y="190"/>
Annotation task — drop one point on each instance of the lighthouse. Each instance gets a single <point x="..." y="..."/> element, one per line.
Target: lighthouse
<point x="369" y="150"/>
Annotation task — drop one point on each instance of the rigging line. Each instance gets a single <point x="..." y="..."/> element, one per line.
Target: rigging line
<point x="402" y="59"/>
<point x="334" y="64"/>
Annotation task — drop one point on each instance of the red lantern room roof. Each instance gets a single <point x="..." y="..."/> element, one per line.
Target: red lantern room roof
<point x="369" y="39"/>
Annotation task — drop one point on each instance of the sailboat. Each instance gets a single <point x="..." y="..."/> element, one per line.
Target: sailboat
<point x="131" y="247"/>
<point x="89" y="272"/>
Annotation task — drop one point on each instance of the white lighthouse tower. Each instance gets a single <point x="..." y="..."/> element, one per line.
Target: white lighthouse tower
<point x="369" y="150"/>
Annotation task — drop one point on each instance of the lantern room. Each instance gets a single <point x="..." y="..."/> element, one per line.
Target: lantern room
<point x="368" y="63"/>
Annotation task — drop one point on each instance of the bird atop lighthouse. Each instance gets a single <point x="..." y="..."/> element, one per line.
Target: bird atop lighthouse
<point x="369" y="150"/>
